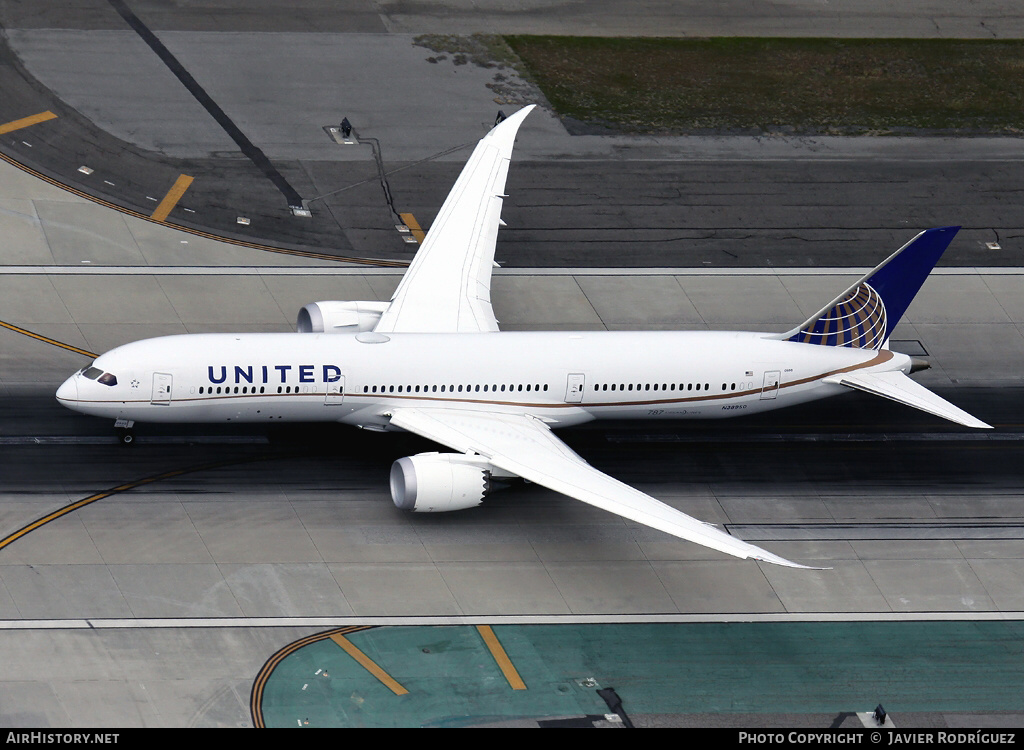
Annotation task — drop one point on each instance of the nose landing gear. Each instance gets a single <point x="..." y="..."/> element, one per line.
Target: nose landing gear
<point x="125" y="434"/>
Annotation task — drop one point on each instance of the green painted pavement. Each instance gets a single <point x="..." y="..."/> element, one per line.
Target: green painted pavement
<point x="656" y="669"/>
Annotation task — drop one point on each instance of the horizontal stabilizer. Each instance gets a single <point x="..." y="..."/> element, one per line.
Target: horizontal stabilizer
<point x="898" y="387"/>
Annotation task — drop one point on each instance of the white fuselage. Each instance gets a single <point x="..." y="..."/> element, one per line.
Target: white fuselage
<point x="564" y="378"/>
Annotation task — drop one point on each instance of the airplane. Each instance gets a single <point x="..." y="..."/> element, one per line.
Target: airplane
<point x="432" y="361"/>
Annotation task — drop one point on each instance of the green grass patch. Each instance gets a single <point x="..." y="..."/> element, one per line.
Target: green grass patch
<point x="742" y="85"/>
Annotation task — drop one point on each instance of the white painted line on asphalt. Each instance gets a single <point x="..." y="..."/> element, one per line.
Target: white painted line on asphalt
<point x="337" y="622"/>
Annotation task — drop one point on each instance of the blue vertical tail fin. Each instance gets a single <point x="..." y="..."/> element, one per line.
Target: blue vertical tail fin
<point x="865" y="314"/>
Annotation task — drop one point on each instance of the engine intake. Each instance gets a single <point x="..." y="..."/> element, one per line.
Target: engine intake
<point x="339" y="317"/>
<point x="439" y="482"/>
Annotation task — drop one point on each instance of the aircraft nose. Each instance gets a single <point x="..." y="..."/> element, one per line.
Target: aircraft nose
<point x="68" y="390"/>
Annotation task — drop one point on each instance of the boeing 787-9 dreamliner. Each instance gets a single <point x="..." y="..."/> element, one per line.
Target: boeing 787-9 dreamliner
<point x="432" y="361"/>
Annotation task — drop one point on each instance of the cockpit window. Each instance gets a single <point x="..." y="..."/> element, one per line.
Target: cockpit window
<point x="107" y="379"/>
<point x="92" y="373"/>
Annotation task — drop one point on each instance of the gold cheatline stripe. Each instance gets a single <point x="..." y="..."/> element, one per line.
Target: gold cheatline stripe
<point x="414" y="227"/>
<point x="173" y="196"/>
<point x="501" y="658"/>
<point x="369" y="665"/>
<point x="24" y="122"/>
<point x="48" y="340"/>
<point x="199" y="232"/>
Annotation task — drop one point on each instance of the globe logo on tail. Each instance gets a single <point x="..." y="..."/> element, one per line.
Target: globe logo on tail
<point x="857" y="321"/>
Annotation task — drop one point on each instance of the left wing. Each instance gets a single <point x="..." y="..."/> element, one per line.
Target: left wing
<point x="447" y="288"/>
<point x="526" y="447"/>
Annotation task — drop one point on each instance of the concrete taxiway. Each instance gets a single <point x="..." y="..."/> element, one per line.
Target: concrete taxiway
<point x="295" y="529"/>
<point x="149" y="587"/>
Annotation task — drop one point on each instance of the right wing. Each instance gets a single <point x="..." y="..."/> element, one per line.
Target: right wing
<point x="447" y="288"/>
<point x="526" y="447"/>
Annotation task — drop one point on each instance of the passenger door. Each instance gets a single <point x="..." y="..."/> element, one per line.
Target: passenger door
<point x="161" y="389"/>
<point x="335" y="392"/>
<point x="770" y="389"/>
<point x="574" y="388"/>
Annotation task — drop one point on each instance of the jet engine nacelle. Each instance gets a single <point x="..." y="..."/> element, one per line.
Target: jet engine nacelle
<point x="339" y="317"/>
<point x="439" y="482"/>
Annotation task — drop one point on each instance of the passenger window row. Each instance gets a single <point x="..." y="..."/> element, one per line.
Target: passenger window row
<point x="667" y="386"/>
<point x="652" y="387"/>
<point x="244" y="389"/>
<point x="108" y="379"/>
<point x="489" y="388"/>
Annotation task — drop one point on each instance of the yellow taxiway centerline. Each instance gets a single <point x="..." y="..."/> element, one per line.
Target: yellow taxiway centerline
<point x="10" y="539"/>
<point x="48" y="340"/>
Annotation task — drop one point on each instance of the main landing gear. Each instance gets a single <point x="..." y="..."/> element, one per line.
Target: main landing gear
<point x="125" y="433"/>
